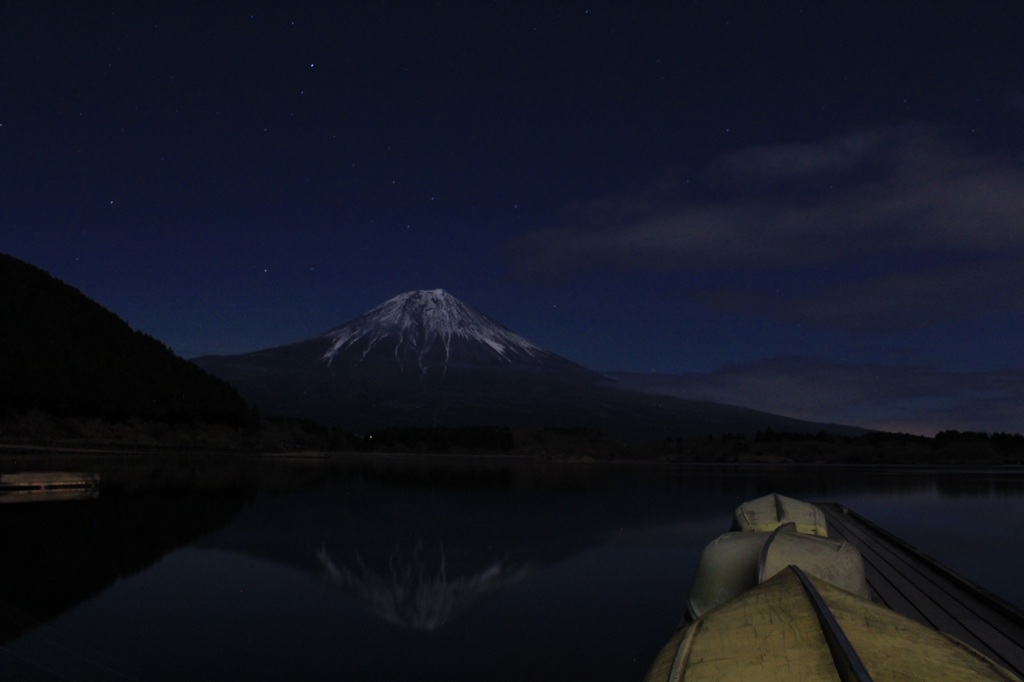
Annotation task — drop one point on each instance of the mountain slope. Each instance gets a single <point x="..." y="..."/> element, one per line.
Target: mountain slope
<point x="424" y="358"/>
<point x="66" y="355"/>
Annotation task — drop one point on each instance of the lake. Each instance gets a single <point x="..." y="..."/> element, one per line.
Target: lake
<point x="431" y="569"/>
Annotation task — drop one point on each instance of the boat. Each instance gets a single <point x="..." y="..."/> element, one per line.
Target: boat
<point x="767" y="513"/>
<point x="48" y="486"/>
<point x="779" y="600"/>
<point x="737" y="561"/>
<point x="799" y="627"/>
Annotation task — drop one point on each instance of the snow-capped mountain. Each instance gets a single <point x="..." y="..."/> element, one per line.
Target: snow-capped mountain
<point x="430" y="329"/>
<point x="425" y="358"/>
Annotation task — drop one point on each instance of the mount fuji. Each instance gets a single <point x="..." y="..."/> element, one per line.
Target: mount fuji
<point x="425" y="358"/>
<point x="427" y="332"/>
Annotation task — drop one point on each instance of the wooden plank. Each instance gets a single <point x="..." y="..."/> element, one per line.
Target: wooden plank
<point x="917" y="587"/>
<point x="958" y="597"/>
<point x="911" y="583"/>
<point x="930" y="599"/>
<point x="48" y="479"/>
<point x="1011" y="612"/>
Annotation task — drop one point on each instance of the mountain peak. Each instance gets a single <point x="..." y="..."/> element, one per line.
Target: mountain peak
<point x="426" y="327"/>
<point x="425" y="358"/>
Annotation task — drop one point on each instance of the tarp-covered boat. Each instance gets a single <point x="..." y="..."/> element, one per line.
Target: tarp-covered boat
<point x="797" y="627"/>
<point x="734" y="562"/>
<point x="771" y="511"/>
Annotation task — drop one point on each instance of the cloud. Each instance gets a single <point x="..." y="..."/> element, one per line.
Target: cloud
<point x="914" y="399"/>
<point x="882" y="206"/>
<point x="915" y="297"/>
<point x="800" y="161"/>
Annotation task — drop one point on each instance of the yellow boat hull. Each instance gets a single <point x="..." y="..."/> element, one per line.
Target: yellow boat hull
<point x="734" y="562"/>
<point x="767" y="513"/>
<point x="773" y="632"/>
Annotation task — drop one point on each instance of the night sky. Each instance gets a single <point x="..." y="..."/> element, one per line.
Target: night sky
<point x="814" y="208"/>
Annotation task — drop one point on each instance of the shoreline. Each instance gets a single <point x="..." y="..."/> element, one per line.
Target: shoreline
<point x="9" y="451"/>
<point x="198" y="474"/>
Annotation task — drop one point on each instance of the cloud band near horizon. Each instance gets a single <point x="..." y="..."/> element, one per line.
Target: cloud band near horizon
<point x="914" y="399"/>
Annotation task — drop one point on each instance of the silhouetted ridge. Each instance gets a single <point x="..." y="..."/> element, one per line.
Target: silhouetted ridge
<point x="62" y="353"/>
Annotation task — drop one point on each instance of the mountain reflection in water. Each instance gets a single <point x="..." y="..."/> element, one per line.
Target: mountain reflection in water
<point x="419" y="554"/>
<point x="415" y="591"/>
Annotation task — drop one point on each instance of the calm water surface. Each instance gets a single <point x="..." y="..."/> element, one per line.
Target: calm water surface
<point x="442" y="571"/>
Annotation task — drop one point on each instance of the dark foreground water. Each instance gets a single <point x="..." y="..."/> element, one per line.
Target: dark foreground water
<point x="443" y="571"/>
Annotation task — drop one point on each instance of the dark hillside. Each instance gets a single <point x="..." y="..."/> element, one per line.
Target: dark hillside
<point x="63" y="354"/>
